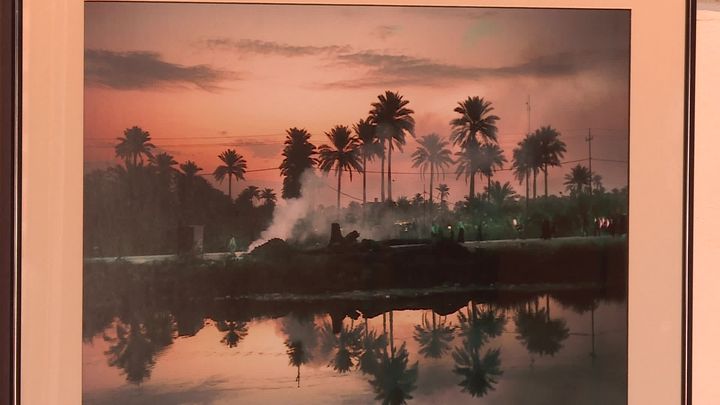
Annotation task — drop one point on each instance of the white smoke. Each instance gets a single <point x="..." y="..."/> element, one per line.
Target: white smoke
<point x="308" y="218"/>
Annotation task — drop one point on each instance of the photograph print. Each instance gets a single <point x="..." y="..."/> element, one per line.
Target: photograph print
<point x="319" y="204"/>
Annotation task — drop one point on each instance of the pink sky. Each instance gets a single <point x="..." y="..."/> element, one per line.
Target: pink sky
<point x="202" y="78"/>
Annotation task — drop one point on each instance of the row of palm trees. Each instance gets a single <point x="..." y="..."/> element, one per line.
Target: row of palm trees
<point x="350" y="150"/>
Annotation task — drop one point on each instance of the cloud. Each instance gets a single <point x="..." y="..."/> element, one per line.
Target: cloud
<point x="260" y="149"/>
<point x="137" y="70"/>
<point x="386" y="31"/>
<point x="256" y="46"/>
<point x="392" y="69"/>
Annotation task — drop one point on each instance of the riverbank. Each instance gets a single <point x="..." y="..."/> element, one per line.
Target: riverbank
<point x="280" y="268"/>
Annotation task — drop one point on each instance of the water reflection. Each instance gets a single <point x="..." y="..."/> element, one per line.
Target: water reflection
<point x="466" y="336"/>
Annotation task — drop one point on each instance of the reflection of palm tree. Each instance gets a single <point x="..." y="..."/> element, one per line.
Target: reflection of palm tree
<point x="133" y="146"/>
<point x="298" y="355"/>
<point x="393" y="119"/>
<point x="479" y="374"/>
<point x="432" y="153"/>
<point x="371" y="346"/>
<point x="538" y="333"/>
<point x="342" y="155"/>
<point x="478" y="326"/>
<point x="234" y="332"/>
<point x="394" y="381"/>
<point x="434" y="339"/>
<point x="345" y="344"/>
<point x="136" y="344"/>
<point x="233" y="165"/>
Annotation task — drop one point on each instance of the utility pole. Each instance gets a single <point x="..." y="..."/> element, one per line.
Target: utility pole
<point x="528" y="112"/>
<point x="589" y="141"/>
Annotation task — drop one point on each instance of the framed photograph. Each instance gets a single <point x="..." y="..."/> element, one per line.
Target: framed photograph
<point x="410" y="202"/>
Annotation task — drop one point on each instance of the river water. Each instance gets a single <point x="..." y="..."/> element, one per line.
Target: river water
<point x="543" y="349"/>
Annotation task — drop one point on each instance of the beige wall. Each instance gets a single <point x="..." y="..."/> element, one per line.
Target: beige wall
<point x="52" y="197"/>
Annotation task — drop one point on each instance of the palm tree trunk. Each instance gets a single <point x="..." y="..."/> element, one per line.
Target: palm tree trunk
<point x="471" y="194"/>
<point x="488" y="189"/>
<point x="382" y="175"/>
<point x="339" y="176"/>
<point x="432" y="174"/>
<point x="534" y="183"/>
<point x="389" y="173"/>
<point x="392" y="346"/>
<point x="547" y="306"/>
<point x="364" y="180"/>
<point x="230" y="187"/>
<point x="527" y="191"/>
<point x="546" y="186"/>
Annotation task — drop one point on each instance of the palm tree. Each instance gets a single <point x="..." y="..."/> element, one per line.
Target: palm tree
<point x="393" y="119"/>
<point x="500" y="194"/>
<point x="538" y="332"/>
<point x="298" y="157"/>
<point x="475" y="120"/>
<point x="133" y="146"/>
<point x="268" y="196"/>
<point x="234" y="332"/>
<point x="491" y="158"/>
<point x="432" y="153"/>
<point x="522" y="165"/>
<point x="479" y="374"/>
<point x="551" y="150"/>
<point x="468" y="163"/>
<point x="189" y="169"/>
<point x="578" y="180"/>
<point x="434" y="340"/>
<point x="370" y="147"/>
<point x="444" y="191"/>
<point x="233" y="165"/>
<point x="393" y="381"/>
<point x="298" y="355"/>
<point x="342" y="155"/>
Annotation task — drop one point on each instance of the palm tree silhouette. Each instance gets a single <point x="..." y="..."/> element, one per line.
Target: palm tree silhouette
<point x="538" y="332"/>
<point x="578" y="180"/>
<point x="298" y="355"/>
<point x="190" y="169"/>
<point x="393" y="381"/>
<point x="370" y="147"/>
<point x="137" y="343"/>
<point x="490" y="158"/>
<point x="444" y="191"/>
<point x="233" y="165"/>
<point x="475" y="120"/>
<point x="477" y="326"/>
<point x="342" y="155"/>
<point x="234" y="332"/>
<point x="551" y="149"/>
<point x="371" y="346"/>
<point x="432" y="153"/>
<point x="522" y="165"/>
<point x="268" y="196"/>
<point x="479" y="374"/>
<point x="468" y="164"/>
<point x="134" y="146"/>
<point x="393" y="119"/>
<point x="346" y="345"/>
<point x="434" y="339"/>
<point x="500" y="194"/>
<point x="298" y="157"/>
